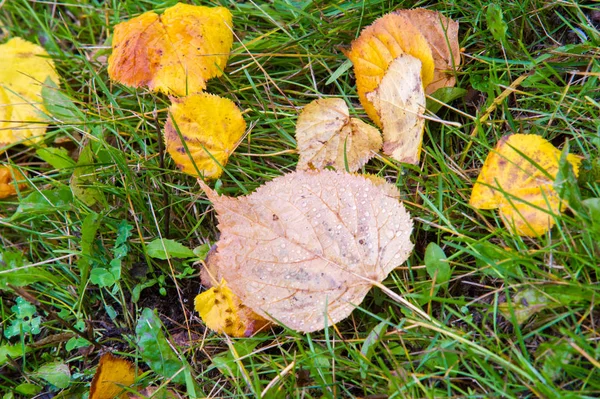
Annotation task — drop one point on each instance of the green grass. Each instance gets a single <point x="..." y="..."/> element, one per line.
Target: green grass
<point x="288" y="52"/>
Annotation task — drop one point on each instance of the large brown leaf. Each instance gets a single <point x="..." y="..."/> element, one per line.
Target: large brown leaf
<point x="304" y="249"/>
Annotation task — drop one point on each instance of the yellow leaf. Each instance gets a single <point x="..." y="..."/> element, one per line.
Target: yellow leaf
<point x="378" y="45"/>
<point x="518" y="177"/>
<point x="327" y="136"/>
<point x="24" y="67"/>
<point x="306" y="248"/>
<point x="222" y="312"/>
<point x="211" y="127"/>
<point x="400" y="103"/>
<point x="112" y="375"/>
<point x="442" y="35"/>
<point x="8" y="181"/>
<point x="176" y="52"/>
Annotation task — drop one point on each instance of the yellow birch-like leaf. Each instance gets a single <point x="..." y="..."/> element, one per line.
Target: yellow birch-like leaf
<point x="222" y="311"/>
<point x="211" y="127"/>
<point x="112" y="375"/>
<point x="518" y="175"/>
<point x="24" y="66"/>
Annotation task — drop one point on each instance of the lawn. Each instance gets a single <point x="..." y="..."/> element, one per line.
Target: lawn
<point x="79" y="276"/>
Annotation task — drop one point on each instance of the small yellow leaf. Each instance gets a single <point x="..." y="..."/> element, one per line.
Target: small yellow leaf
<point x="8" y="181"/>
<point x="24" y="67"/>
<point x="211" y="127"/>
<point x="112" y="375"/>
<point x="518" y="177"/>
<point x="442" y="35"/>
<point x="381" y="43"/>
<point x="222" y="312"/>
<point x="327" y="136"/>
<point x="400" y="103"/>
<point x="176" y="52"/>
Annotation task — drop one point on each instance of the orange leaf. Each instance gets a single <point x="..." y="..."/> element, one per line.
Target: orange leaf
<point x="305" y="248"/>
<point x="223" y="312"/>
<point x="8" y="181"/>
<point x="112" y="375"/>
<point x="211" y="127"/>
<point x="327" y="136"/>
<point x="176" y="52"/>
<point x="378" y="45"/>
<point x="442" y="35"/>
<point x="518" y="177"/>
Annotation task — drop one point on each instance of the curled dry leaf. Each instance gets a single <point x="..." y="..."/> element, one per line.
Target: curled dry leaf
<point x="442" y="35"/>
<point x="223" y="312"/>
<point x="112" y="375"/>
<point x="24" y="67"/>
<point x="176" y="52"/>
<point x="518" y="178"/>
<point x="9" y="178"/>
<point x="211" y="127"/>
<point x="305" y="248"/>
<point x="400" y="103"/>
<point x="381" y="43"/>
<point x="327" y="136"/>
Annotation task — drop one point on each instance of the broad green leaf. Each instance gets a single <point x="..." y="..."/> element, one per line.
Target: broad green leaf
<point x="444" y="95"/>
<point x="369" y="345"/>
<point x="13" y="351"/>
<point x="165" y="249"/>
<point x="58" y="104"/>
<point x="57" y="157"/>
<point x="532" y="300"/>
<point x="495" y="22"/>
<point x="156" y="351"/>
<point x="56" y="373"/>
<point x="44" y="202"/>
<point x="437" y="264"/>
<point x="84" y="179"/>
<point x="102" y="277"/>
<point x="89" y="227"/>
<point x="14" y="270"/>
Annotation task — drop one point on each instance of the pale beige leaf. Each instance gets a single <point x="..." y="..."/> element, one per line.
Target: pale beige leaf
<point x="400" y="103"/>
<point x="305" y="248"/>
<point x="327" y="136"/>
<point x="442" y="35"/>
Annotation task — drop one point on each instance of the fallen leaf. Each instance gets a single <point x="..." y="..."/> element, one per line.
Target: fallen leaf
<point x="211" y="127"/>
<point x="442" y="35"/>
<point x="381" y="43"/>
<point x="112" y="375"/>
<point x="223" y="312"/>
<point x="305" y="248"/>
<point x="9" y="178"/>
<point x="518" y="178"/>
<point x="327" y="136"/>
<point x="400" y="103"/>
<point x="174" y="53"/>
<point x="24" y="66"/>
